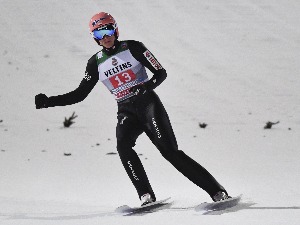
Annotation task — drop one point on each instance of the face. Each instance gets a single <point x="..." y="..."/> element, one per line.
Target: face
<point x="108" y="41"/>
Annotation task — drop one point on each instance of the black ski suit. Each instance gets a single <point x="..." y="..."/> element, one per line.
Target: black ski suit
<point x="138" y="113"/>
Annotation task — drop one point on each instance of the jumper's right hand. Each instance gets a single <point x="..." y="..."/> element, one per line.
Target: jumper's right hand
<point x="41" y="101"/>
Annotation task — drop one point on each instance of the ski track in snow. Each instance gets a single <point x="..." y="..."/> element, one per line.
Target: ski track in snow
<point x="233" y="65"/>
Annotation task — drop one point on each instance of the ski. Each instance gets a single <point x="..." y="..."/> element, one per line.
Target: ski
<point x="151" y="207"/>
<point x="218" y="206"/>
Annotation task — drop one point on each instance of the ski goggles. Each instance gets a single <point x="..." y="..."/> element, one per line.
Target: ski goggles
<point x="100" y="33"/>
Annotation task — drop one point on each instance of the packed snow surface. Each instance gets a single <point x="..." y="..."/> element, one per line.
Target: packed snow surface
<point x="233" y="65"/>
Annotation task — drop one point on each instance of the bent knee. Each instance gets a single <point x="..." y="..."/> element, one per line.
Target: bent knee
<point x="171" y="154"/>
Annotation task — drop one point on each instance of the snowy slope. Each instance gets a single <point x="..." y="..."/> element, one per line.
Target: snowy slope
<point x="231" y="64"/>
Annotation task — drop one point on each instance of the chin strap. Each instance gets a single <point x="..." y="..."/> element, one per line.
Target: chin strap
<point x="113" y="49"/>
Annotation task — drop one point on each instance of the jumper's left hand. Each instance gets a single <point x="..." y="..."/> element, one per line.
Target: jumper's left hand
<point x="139" y="89"/>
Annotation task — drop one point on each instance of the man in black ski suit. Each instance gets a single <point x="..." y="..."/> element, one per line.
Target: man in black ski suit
<point x="120" y="66"/>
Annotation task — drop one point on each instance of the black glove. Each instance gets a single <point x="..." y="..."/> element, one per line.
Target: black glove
<point x="41" y="101"/>
<point x="139" y="89"/>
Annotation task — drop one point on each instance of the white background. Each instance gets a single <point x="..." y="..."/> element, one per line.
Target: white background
<point x="231" y="64"/>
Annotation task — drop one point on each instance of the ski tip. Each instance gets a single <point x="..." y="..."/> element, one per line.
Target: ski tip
<point x="123" y="209"/>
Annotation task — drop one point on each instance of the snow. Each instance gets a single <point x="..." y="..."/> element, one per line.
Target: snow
<point x="231" y="64"/>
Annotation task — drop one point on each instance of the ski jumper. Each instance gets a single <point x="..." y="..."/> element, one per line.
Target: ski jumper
<point x="119" y="70"/>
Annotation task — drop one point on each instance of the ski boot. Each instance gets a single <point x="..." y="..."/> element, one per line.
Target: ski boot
<point x="146" y="199"/>
<point x="220" y="196"/>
